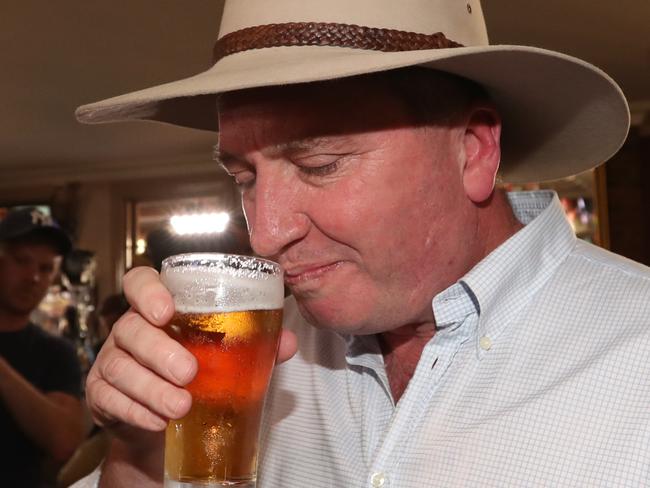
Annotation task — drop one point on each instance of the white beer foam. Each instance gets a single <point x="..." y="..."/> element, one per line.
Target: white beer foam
<point x="200" y="289"/>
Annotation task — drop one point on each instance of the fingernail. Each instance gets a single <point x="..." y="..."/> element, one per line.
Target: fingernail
<point x="175" y="404"/>
<point x="159" y="309"/>
<point x="159" y="424"/>
<point x="180" y="369"/>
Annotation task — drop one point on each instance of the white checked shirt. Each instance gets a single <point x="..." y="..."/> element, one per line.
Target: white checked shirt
<point x="538" y="375"/>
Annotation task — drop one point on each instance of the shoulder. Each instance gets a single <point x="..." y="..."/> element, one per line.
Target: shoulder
<point x="618" y="279"/>
<point x="57" y="353"/>
<point x="598" y="294"/>
<point x="609" y="262"/>
<point x="52" y="344"/>
<point x="58" y="361"/>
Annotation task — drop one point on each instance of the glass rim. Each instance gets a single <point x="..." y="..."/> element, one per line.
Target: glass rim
<point x="190" y="258"/>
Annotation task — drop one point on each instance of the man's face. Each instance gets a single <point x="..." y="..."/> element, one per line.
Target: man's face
<point x="26" y="272"/>
<point x="365" y="212"/>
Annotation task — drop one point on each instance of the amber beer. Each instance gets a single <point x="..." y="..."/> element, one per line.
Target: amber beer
<point x="216" y="443"/>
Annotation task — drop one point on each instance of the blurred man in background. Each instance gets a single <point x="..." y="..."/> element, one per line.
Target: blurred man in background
<point x="40" y="377"/>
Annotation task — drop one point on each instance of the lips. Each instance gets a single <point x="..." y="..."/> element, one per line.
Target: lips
<point x="295" y="275"/>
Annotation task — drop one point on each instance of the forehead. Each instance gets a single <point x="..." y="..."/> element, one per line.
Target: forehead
<point x="40" y="250"/>
<point x="276" y="115"/>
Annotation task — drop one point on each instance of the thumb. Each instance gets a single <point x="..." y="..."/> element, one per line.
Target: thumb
<point x="288" y="346"/>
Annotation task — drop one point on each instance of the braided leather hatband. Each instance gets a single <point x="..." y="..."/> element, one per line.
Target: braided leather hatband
<point x="327" y="34"/>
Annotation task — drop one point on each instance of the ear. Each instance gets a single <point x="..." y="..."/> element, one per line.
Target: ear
<point x="482" y="147"/>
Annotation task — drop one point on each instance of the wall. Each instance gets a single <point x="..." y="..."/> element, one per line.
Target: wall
<point x="628" y="195"/>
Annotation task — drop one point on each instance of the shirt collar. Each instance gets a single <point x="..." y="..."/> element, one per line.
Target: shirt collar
<point x="507" y="279"/>
<point x="453" y="305"/>
<point x="363" y="350"/>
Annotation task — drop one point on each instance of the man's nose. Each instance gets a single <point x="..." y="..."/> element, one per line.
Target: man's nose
<point x="275" y="216"/>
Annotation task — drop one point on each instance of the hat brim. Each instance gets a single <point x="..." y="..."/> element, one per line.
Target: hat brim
<point x="54" y="236"/>
<point x="58" y="238"/>
<point x="561" y="115"/>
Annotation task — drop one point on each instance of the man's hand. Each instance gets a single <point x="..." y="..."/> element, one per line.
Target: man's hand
<point x="140" y="372"/>
<point x="138" y="376"/>
<point x="137" y="382"/>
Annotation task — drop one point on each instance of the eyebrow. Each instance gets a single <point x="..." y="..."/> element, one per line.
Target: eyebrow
<point x="326" y="142"/>
<point x="224" y="157"/>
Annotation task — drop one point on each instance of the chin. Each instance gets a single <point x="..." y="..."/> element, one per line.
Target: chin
<point x="22" y="308"/>
<point x="323" y="316"/>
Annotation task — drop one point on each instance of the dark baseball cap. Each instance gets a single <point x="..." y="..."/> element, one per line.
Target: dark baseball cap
<point x="27" y="222"/>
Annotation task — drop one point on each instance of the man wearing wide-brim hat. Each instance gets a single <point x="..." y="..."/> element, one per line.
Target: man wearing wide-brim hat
<point x="443" y="333"/>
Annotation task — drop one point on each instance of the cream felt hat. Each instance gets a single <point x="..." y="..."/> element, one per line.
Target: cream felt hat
<point x="560" y="115"/>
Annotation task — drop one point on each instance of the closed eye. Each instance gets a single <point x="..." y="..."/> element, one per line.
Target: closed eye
<point x="323" y="170"/>
<point x="243" y="179"/>
<point x="242" y="173"/>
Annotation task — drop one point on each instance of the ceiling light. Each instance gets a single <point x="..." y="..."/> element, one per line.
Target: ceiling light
<point x="204" y="223"/>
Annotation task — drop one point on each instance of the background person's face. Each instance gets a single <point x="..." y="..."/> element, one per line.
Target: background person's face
<point x="26" y="272"/>
<point x="366" y="213"/>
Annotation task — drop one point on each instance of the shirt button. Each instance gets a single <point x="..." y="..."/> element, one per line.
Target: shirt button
<point x="377" y="480"/>
<point x="485" y="342"/>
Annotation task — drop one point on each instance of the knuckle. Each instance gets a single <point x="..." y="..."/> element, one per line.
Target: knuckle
<point x="131" y="413"/>
<point x="125" y="328"/>
<point x="160" y="351"/>
<point x="92" y="381"/>
<point x="158" y="392"/>
<point x="103" y="403"/>
<point x="166" y="350"/>
<point x="136" y="414"/>
<point x="115" y="368"/>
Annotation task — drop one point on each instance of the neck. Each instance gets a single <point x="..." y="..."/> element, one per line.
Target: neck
<point x="496" y="224"/>
<point x="11" y="321"/>
<point x="402" y="347"/>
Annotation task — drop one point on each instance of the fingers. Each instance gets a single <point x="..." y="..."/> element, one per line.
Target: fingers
<point x="145" y="387"/>
<point x="154" y="349"/>
<point x="147" y="295"/>
<point x="121" y="390"/>
<point x="109" y="406"/>
<point x="137" y="376"/>
<point x="288" y="346"/>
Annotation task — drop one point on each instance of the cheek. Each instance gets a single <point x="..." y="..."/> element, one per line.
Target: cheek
<point x="416" y="229"/>
<point x="346" y="213"/>
<point x="11" y="275"/>
<point x="45" y="280"/>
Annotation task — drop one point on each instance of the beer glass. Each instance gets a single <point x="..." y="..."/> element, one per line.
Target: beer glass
<point x="228" y="315"/>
